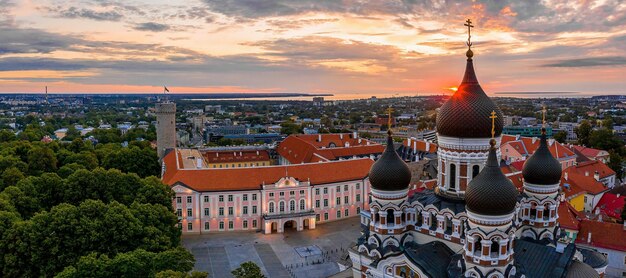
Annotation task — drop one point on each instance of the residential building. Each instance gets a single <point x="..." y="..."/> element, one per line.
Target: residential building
<point x="585" y="153"/>
<point x="518" y="148"/>
<point x="527" y="131"/>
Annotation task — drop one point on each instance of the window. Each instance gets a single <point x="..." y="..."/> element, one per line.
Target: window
<point x="317" y="217"/>
<point x="358" y="186"/>
<point x="221" y="225"/>
<point x="453" y="176"/>
<point x="230" y="225"/>
<point x="189" y="226"/>
<point x="253" y="223"/>
<point x="245" y="209"/>
<point x="346" y="199"/>
<point x="245" y="197"/>
<point x="338" y="188"/>
<point x="271" y="194"/>
<point x="358" y="197"/>
<point x="326" y="216"/>
<point x="292" y="205"/>
<point x="325" y="190"/>
<point x="475" y="170"/>
<point x="291" y="193"/>
<point x="206" y="211"/>
<point x="338" y="214"/>
<point x="317" y="203"/>
<point x="189" y="213"/>
<point x="254" y="197"/>
<point x="253" y="209"/>
<point x="245" y="224"/>
<point x="179" y="212"/>
<point x="317" y="191"/>
<point x="325" y="203"/>
<point x="230" y="211"/>
<point x="188" y="199"/>
<point x="221" y="213"/>
<point x="585" y="198"/>
<point x="358" y="210"/>
<point x="221" y="198"/>
<point x="281" y="206"/>
<point x="345" y="187"/>
<point x="301" y="191"/>
<point x="302" y="205"/>
<point x="230" y="198"/>
<point x="271" y="209"/>
<point x="206" y="226"/>
<point x="281" y="193"/>
<point x="206" y="199"/>
<point x="338" y="202"/>
<point x="346" y="212"/>
<point x="179" y="200"/>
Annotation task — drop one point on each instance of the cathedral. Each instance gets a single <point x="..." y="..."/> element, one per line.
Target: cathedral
<point x="475" y="222"/>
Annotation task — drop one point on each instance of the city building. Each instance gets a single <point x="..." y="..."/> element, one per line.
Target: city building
<point x="585" y="153"/>
<point x="518" y="148"/>
<point x="237" y="159"/>
<point x="268" y="199"/>
<point x="610" y="207"/>
<point x="307" y="148"/>
<point x="318" y="101"/>
<point x="475" y="223"/>
<point x="570" y="129"/>
<point x="582" y="190"/>
<point x="609" y="239"/>
<point x="527" y="131"/>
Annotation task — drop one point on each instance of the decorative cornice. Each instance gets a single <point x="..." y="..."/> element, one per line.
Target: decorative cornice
<point x="541" y="189"/>
<point x="389" y="195"/>
<point x="490" y="220"/>
<point x="470" y="144"/>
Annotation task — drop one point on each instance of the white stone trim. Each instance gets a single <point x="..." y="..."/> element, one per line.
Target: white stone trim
<point x="490" y="219"/>
<point x="385" y="194"/>
<point x="541" y="189"/>
<point x="470" y="144"/>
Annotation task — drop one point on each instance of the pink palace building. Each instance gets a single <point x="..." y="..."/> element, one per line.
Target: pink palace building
<point x="267" y="198"/>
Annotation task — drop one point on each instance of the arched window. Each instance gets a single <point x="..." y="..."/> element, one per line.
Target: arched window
<point x="495" y="248"/>
<point x="420" y="218"/>
<point x="376" y="217"/>
<point x="478" y="247"/>
<point x="546" y="211"/>
<point x="475" y="170"/>
<point x="302" y="204"/>
<point x="453" y="176"/>
<point x="390" y="217"/>
<point x="533" y="211"/>
<point x="402" y="217"/>
<point x="292" y="205"/>
<point x="433" y="221"/>
<point x="281" y="206"/>
<point x="271" y="205"/>
<point x="449" y="225"/>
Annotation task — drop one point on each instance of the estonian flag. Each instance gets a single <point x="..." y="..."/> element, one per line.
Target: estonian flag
<point x="165" y="89"/>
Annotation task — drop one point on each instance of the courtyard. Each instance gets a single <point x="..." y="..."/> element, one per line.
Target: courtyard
<point x="321" y="252"/>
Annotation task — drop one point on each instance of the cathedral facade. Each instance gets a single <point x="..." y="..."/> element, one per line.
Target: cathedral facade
<point x="475" y="223"/>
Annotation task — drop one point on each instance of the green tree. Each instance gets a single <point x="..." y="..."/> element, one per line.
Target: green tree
<point x="583" y="131"/>
<point x="560" y="136"/>
<point x="144" y="162"/>
<point x="180" y="274"/>
<point x="248" y="270"/>
<point x="7" y="135"/>
<point x="11" y="176"/>
<point x="289" y="128"/>
<point x="40" y="160"/>
<point x="615" y="163"/>
<point x="605" y="139"/>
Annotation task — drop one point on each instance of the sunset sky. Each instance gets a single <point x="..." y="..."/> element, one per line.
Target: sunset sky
<point x="310" y="46"/>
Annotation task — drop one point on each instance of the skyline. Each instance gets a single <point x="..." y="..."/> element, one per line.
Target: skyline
<point x="347" y="47"/>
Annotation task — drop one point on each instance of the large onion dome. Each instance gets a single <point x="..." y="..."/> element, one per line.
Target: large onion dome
<point x="389" y="172"/>
<point x="464" y="114"/>
<point x="542" y="168"/>
<point x="491" y="192"/>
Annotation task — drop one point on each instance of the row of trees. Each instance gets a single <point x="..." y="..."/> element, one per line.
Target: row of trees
<point x="603" y="138"/>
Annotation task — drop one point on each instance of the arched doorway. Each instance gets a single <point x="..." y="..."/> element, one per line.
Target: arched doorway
<point x="290" y="226"/>
<point x="305" y="223"/>
<point x="274" y="227"/>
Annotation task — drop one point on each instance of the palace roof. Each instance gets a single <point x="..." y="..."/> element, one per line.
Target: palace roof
<point x="306" y="148"/>
<point x="235" y="156"/>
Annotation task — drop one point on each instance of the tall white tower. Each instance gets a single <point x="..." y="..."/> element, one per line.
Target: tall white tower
<point x="166" y="126"/>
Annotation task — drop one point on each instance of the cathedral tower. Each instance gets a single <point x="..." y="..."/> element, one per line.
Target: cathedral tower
<point x="491" y="200"/>
<point x="463" y="134"/>
<point x="166" y="126"/>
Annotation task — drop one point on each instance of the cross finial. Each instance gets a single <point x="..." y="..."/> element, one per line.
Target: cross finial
<point x="469" y="25"/>
<point x="389" y="110"/>
<point x="544" y="111"/>
<point x="493" y="123"/>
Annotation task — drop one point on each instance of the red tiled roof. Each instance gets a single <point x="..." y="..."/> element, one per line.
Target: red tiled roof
<point x="569" y="218"/>
<point x="526" y="146"/>
<point x="580" y="184"/>
<point x="517" y="180"/>
<point x="305" y="148"/>
<point x="588" y="152"/>
<point x="420" y="145"/>
<point x="518" y="165"/>
<point x="233" y="179"/>
<point x="612" y="205"/>
<point x="236" y="156"/>
<point x="592" y="166"/>
<point x="603" y="234"/>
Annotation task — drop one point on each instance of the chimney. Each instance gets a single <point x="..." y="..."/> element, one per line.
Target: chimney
<point x="586" y="173"/>
<point x="217" y="154"/>
<point x="199" y="163"/>
<point x="427" y="146"/>
<point x="240" y="153"/>
<point x="565" y="175"/>
<point x="408" y="142"/>
<point x="341" y="136"/>
<point x="319" y="138"/>
<point x="589" y="237"/>
<point x="257" y="152"/>
<point x="355" y="135"/>
<point x="596" y="175"/>
<point x="359" y="141"/>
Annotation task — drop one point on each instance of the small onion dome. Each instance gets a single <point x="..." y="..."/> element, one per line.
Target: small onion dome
<point x="542" y="168"/>
<point x="464" y="114"/>
<point x="491" y="192"/>
<point x="581" y="270"/>
<point x="390" y="172"/>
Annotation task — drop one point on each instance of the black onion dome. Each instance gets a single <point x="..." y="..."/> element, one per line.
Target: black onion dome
<point x="542" y="168"/>
<point x="491" y="192"/>
<point x="466" y="114"/>
<point x="581" y="270"/>
<point x="390" y="172"/>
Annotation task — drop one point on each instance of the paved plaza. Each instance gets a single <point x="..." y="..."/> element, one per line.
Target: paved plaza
<point x="321" y="252"/>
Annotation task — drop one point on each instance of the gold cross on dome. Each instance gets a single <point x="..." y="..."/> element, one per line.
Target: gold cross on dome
<point x="469" y="25"/>
<point x="544" y="111"/>
<point x="389" y="110"/>
<point x="493" y="123"/>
